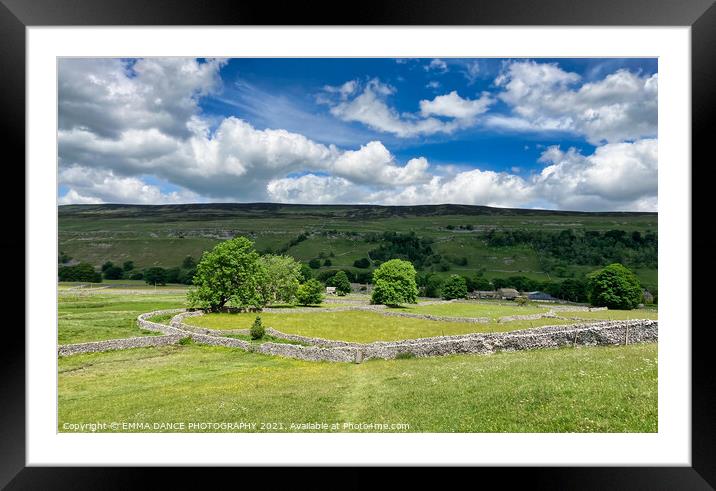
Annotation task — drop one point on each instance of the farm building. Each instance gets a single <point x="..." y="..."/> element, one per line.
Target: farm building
<point x="507" y="293"/>
<point x="475" y="295"/>
<point x="540" y="296"/>
<point x="330" y="290"/>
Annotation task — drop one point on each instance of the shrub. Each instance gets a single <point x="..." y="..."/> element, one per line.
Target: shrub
<point x="79" y="272"/>
<point x="306" y="273"/>
<point x="257" y="329"/>
<point x="314" y="263"/>
<point x="394" y="283"/>
<point x="340" y="281"/>
<point x="325" y="277"/>
<point x="362" y="263"/>
<point x="113" y="273"/>
<point x="185" y="341"/>
<point x="615" y="287"/>
<point x="187" y="276"/>
<point x="310" y="293"/>
<point x="574" y="290"/>
<point x="429" y="284"/>
<point x="155" y="276"/>
<point x="454" y="287"/>
<point x="522" y="300"/>
<point x="404" y="355"/>
<point x="478" y="283"/>
<point x="364" y="277"/>
<point x="460" y="261"/>
<point x="173" y="275"/>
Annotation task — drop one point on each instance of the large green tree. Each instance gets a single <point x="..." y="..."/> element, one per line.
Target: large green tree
<point x="615" y="287"/>
<point x="229" y="272"/>
<point x="454" y="287"/>
<point x="280" y="278"/>
<point x="394" y="283"/>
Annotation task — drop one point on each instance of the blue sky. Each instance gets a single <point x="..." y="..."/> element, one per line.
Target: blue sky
<point x="543" y="133"/>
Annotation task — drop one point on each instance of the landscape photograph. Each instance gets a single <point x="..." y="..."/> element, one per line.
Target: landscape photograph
<point x="373" y="245"/>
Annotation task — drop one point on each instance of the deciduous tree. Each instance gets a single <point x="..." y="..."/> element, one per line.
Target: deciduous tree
<point x="229" y="272"/>
<point x="394" y="283"/>
<point x="615" y="287"/>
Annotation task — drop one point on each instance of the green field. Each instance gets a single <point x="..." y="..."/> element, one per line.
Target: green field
<point x="165" y="235"/>
<point x="600" y="389"/>
<point x="96" y="317"/>
<point x="359" y="326"/>
<point x="491" y="309"/>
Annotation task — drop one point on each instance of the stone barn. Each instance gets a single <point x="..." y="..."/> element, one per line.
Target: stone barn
<point x="545" y="297"/>
<point x="507" y="293"/>
<point x="479" y="294"/>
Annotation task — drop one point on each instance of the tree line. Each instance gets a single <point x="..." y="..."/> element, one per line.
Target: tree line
<point x="156" y="275"/>
<point x="559" y="249"/>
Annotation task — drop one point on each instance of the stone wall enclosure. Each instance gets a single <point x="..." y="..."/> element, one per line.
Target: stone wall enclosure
<point x="316" y="349"/>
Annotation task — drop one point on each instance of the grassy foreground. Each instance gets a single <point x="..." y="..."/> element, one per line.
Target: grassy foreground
<point x="599" y="389"/>
<point x="360" y="326"/>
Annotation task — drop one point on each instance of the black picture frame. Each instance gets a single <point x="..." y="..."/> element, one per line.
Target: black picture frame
<point x="16" y="15"/>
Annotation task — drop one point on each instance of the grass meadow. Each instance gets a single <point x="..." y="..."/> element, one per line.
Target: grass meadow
<point x="99" y="316"/>
<point x="599" y="389"/>
<point x="582" y="389"/>
<point x="359" y="326"/>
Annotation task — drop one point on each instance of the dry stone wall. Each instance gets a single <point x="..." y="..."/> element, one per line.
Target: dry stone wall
<point x="117" y="344"/>
<point x="586" y="333"/>
<point x="528" y="317"/>
<point x="603" y="333"/>
<point x="317" y="349"/>
<point x="577" y="308"/>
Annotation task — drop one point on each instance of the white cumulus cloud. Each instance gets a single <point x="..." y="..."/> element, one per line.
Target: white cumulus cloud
<point x="616" y="176"/>
<point x="370" y="108"/>
<point x="126" y="125"/>
<point x="108" y="95"/>
<point x="88" y="185"/>
<point x="543" y="97"/>
<point x="453" y="106"/>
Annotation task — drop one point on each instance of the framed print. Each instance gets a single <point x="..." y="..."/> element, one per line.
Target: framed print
<point x="428" y="238"/>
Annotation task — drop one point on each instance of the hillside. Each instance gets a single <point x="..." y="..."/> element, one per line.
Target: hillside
<point x="164" y="235"/>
